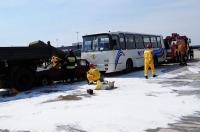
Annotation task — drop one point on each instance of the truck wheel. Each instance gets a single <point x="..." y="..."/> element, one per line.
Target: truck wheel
<point x="23" y="79"/>
<point x="45" y="81"/>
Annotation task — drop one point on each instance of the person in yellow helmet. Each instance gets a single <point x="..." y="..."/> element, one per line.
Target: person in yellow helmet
<point x="93" y="74"/>
<point x="148" y="62"/>
<point x="55" y="62"/>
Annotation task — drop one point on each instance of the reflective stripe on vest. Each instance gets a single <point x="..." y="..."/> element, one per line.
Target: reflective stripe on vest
<point x="70" y="67"/>
<point x="71" y="59"/>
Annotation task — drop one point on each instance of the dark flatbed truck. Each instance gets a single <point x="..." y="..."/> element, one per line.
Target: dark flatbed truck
<point x="18" y="65"/>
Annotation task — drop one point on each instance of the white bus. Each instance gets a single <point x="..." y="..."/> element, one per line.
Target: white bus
<point x="121" y="51"/>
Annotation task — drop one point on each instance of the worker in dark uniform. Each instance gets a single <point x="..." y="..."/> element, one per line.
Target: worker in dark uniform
<point x="191" y="52"/>
<point x="70" y="61"/>
<point x="183" y="60"/>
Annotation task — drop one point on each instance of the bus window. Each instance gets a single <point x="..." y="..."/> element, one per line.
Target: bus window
<point x="153" y="42"/>
<point x="146" y="41"/>
<point x="159" y="42"/>
<point x="96" y="43"/>
<point x="122" y="41"/>
<point x="87" y="45"/>
<point x="130" y="44"/>
<point x="139" y="42"/>
<point x="104" y="43"/>
<point x="116" y="39"/>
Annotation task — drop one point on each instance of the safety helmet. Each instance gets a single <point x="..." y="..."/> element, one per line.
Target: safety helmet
<point x="148" y="46"/>
<point x="71" y="50"/>
<point x="91" y="65"/>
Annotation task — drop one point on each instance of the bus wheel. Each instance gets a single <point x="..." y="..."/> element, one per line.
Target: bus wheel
<point x="129" y="66"/>
<point x="155" y="61"/>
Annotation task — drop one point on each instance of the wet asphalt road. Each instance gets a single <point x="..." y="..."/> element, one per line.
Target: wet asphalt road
<point x="187" y="123"/>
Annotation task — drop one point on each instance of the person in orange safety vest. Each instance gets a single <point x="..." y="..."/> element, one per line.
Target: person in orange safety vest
<point x="93" y="74"/>
<point x="148" y="62"/>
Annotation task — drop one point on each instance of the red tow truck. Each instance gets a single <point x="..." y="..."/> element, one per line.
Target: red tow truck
<point x="175" y="45"/>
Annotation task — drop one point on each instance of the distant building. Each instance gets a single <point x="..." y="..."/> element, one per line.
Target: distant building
<point x="77" y="48"/>
<point x="195" y="46"/>
<point x="80" y="43"/>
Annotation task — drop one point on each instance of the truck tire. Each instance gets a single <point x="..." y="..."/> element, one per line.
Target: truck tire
<point x="23" y="79"/>
<point x="45" y="81"/>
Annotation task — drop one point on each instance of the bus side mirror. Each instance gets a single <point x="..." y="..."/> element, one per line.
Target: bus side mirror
<point x="114" y="42"/>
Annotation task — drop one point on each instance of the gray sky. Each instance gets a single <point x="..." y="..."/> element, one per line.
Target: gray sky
<point x="24" y="21"/>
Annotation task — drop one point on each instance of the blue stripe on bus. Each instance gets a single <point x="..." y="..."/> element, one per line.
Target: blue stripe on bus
<point x="158" y="52"/>
<point x="119" y="53"/>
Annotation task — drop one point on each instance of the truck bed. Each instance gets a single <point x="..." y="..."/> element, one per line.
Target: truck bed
<point x="24" y="53"/>
<point x="18" y="64"/>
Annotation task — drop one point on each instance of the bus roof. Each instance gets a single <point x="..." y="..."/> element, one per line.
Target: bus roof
<point x="118" y="32"/>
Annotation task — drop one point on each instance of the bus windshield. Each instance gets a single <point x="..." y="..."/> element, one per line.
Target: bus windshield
<point x="96" y="43"/>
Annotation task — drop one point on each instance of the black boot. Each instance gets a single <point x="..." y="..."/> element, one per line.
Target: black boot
<point x="146" y="77"/>
<point x="154" y="75"/>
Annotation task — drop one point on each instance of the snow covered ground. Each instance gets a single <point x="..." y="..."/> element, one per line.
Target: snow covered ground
<point x="135" y="105"/>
